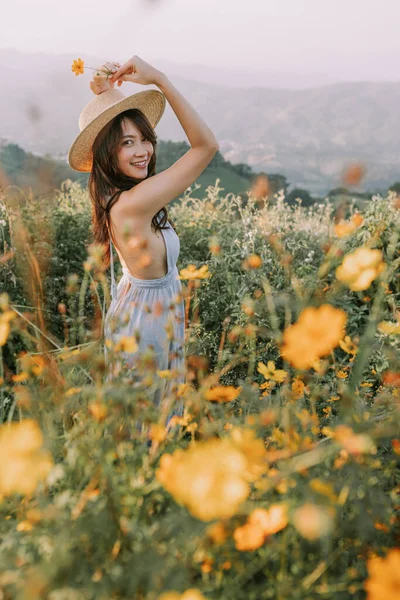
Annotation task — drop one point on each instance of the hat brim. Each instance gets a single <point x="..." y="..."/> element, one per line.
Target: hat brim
<point x="151" y="102"/>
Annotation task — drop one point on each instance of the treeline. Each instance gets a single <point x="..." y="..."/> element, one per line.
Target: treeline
<point x="41" y="175"/>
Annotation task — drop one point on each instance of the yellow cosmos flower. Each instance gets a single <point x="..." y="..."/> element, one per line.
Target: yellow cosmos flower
<point x="316" y="333"/>
<point x="223" y="393"/>
<point x="271" y="372"/>
<point x="78" y="67"/>
<point x="360" y="268"/>
<point x="348" y="345"/>
<point x="191" y="272"/>
<point x="384" y="577"/>
<point x="27" y="464"/>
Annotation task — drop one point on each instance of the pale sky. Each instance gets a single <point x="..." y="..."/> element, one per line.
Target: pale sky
<point x="313" y="35"/>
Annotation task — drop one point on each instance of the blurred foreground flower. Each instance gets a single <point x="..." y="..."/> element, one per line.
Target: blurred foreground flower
<point x="359" y="268"/>
<point x="384" y="577"/>
<point x="190" y="594"/>
<point x="210" y="478"/>
<point x="222" y="393"/>
<point x="26" y="463"/>
<point x="389" y="328"/>
<point x="313" y="521"/>
<point x="260" y="524"/>
<point x="5" y="328"/>
<point x="317" y="332"/>
<point x="346" y="227"/>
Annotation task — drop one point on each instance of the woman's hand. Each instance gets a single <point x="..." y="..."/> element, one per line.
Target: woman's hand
<point x="101" y="80"/>
<point x="136" y="70"/>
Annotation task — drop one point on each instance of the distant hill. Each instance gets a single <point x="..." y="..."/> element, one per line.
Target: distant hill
<point x="42" y="175"/>
<point x="308" y="135"/>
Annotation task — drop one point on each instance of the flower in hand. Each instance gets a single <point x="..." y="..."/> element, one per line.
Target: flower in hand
<point x="100" y="82"/>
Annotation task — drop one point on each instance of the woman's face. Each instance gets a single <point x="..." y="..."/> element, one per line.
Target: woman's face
<point x="133" y="148"/>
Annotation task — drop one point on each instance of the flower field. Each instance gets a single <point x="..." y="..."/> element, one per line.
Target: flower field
<point x="281" y="480"/>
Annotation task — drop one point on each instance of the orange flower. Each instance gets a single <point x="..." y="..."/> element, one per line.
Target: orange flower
<point x="78" y="67"/>
<point x="270" y="521"/>
<point x="354" y="174"/>
<point x="346" y="227"/>
<point x="253" y="261"/>
<point x="316" y="333"/>
<point x="248" y="537"/>
<point x="384" y="577"/>
<point x="354" y="443"/>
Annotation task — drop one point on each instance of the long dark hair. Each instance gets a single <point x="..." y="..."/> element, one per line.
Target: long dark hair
<point x="106" y="182"/>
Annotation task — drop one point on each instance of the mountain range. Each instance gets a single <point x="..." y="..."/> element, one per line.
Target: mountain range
<point x="309" y="135"/>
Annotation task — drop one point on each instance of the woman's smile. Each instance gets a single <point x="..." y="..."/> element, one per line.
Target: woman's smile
<point x="140" y="165"/>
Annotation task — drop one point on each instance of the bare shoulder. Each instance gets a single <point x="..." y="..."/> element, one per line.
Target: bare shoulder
<point x="126" y="220"/>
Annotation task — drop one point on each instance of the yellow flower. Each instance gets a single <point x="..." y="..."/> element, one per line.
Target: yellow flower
<point x="384" y="577"/>
<point x="271" y="372"/>
<point x="27" y="464"/>
<point x="341" y="374"/>
<point x="316" y="333"/>
<point x="78" y="67"/>
<point x="360" y="267"/>
<point x="192" y="273"/>
<point x="389" y="328"/>
<point x="222" y="393"/>
<point x="298" y="388"/>
<point x="126" y="344"/>
<point x="209" y="478"/>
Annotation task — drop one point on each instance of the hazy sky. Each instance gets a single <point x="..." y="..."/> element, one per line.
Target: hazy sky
<point x="314" y="35"/>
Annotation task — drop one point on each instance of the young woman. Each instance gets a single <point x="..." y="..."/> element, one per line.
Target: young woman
<point x="117" y="144"/>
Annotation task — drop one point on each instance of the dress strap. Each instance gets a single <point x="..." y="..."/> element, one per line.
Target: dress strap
<point x="113" y="284"/>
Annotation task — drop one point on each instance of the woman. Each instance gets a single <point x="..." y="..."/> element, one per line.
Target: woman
<point x="145" y="320"/>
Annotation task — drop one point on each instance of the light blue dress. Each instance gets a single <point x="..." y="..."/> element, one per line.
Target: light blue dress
<point x="154" y="310"/>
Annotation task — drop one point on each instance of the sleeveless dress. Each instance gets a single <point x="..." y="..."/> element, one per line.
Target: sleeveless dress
<point x="153" y="309"/>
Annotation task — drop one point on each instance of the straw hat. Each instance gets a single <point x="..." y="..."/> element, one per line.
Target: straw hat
<point x="100" y="111"/>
